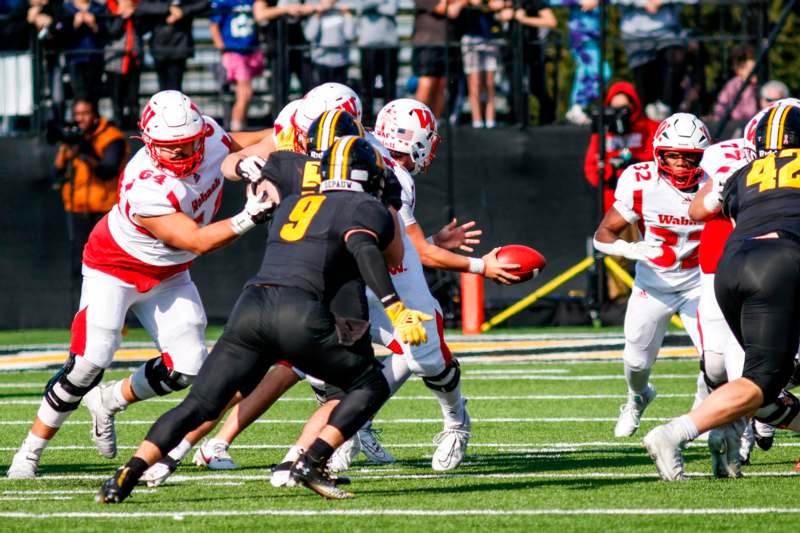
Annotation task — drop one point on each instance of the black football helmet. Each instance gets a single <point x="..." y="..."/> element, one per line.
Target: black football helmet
<point x="779" y="128"/>
<point x="328" y="127"/>
<point x="353" y="164"/>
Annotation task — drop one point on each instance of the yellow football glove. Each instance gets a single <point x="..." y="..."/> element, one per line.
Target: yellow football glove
<point x="408" y="323"/>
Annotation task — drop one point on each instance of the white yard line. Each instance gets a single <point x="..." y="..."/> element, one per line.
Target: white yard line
<point x="430" y="397"/>
<point x="180" y="515"/>
<point x="385" y="421"/>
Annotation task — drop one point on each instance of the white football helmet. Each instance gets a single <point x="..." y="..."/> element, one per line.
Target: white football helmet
<point x="170" y="118"/>
<point x="326" y="97"/>
<point x="284" y="120"/>
<point x="408" y="126"/>
<point x="681" y="132"/>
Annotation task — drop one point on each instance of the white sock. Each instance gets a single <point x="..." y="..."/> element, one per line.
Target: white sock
<point x="293" y="454"/>
<point x="686" y="428"/>
<point x="215" y="440"/>
<point x="452" y="404"/>
<point x="637" y="379"/>
<point x="35" y="444"/>
<point x="180" y="451"/>
<point x="702" y="391"/>
<point x="118" y="396"/>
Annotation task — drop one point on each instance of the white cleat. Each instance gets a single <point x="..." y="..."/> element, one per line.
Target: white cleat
<point x="99" y="402"/>
<point x="24" y="464"/>
<point x="664" y="447"/>
<point x="451" y="449"/>
<point x="281" y="475"/>
<point x="630" y="413"/>
<point x="372" y="449"/>
<point x="344" y="455"/>
<point x="214" y="455"/>
<point x="157" y="474"/>
<point x="724" y="443"/>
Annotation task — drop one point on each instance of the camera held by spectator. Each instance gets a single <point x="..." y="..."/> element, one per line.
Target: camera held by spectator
<point x="617" y="120"/>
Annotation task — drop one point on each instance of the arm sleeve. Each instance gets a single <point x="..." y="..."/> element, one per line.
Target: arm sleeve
<point x="730" y="198"/>
<point x="372" y="266"/>
<point x="111" y="161"/>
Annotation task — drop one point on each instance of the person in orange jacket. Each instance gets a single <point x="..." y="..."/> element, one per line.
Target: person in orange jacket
<point x="629" y="138"/>
<point x="88" y="163"/>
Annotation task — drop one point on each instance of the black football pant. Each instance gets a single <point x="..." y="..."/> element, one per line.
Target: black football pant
<point x="758" y="289"/>
<point x="269" y="324"/>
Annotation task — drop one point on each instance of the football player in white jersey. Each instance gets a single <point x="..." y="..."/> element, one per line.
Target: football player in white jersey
<point x="137" y="258"/>
<point x="656" y="195"/>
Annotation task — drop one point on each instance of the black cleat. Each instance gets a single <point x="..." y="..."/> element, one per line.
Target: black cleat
<point x="318" y="479"/>
<point x="118" y="487"/>
<point x="765" y="443"/>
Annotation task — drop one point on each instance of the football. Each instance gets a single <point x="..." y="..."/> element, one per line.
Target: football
<point x="531" y="262"/>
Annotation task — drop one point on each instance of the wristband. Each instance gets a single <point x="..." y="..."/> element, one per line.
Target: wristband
<point x="431" y="240"/>
<point x="242" y="223"/>
<point x="476" y="266"/>
<point x="712" y="201"/>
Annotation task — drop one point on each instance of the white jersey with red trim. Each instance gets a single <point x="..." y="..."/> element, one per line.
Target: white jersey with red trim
<point x="662" y="214"/>
<point x="719" y="162"/>
<point x="409" y="191"/>
<point x="147" y="191"/>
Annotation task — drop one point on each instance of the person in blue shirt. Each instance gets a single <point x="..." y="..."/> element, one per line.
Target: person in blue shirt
<point x="83" y="34"/>
<point x="233" y="30"/>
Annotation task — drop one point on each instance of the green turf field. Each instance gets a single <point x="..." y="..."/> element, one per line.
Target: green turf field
<point x="542" y="457"/>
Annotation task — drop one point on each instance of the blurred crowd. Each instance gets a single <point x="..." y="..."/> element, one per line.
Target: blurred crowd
<point x="102" y="46"/>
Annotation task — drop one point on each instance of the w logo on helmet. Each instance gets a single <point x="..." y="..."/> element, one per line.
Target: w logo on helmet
<point x="424" y="116"/>
<point x="350" y="106"/>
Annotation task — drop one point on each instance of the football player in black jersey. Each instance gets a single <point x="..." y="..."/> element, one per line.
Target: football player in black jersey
<point x="758" y="289"/>
<point x="317" y="244"/>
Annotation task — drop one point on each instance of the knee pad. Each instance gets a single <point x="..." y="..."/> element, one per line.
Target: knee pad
<point x="158" y="378"/>
<point x="780" y="413"/>
<point x="447" y="380"/>
<point x="360" y="403"/>
<point x="712" y="364"/>
<point x="64" y="391"/>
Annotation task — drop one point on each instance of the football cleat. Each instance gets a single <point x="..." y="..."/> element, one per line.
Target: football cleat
<point x="214" y="455"/>
<point x="451" y="449"/>
<point x="724" y="443"/>
<point x="630" y="413"/>
<point x="157" y="474"/>
<point x="281" y="475"/>
<point x="318" y="479"/>
<point x="24" y="464"/>
<point x="664" y="447"/>
<point x="117" y="488"/>
<point x="344" y="455"/>
<point x="99" y="401"/>
<point x="764" y="434"/>
<point x="369" y="438"/>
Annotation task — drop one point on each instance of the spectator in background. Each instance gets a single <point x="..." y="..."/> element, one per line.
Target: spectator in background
<point x="88" y="162"/>
<point x="536" y="16"/>
<point x="171" y="42"/>
<point x="233" y="30"/>
<point x="655" y="44"/>
<point x="629" y="138"/>
<point x="584" y="44"/>
<point x="329" y="31"/>
<point x="479" y="53"/>
<point x="771" y="91"/>
<point x="296" y="12"/>
<point x="124" y="62"/>
<point x="378" y="41"/>
<point x="432" y="59"/>
<point x="83" y="36"/>
<point x="742" y="61"/>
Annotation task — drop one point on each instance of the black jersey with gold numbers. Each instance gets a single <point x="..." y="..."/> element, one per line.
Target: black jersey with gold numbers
<point x="292" y="173"/>
<point x="764" y="196"/>
<point x="306" y="243"/>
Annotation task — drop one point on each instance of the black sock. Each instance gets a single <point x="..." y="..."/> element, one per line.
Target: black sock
<point x="319" y="452"/>
<point x="137" y="466"/>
